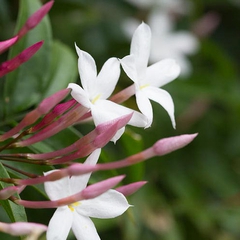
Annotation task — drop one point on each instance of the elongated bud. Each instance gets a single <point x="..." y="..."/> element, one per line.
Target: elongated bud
<point x="44" y="107"/>
<point x="63" y="122"/>
<point x="24" y="56"/>
<point x="35" y="18"/>
<point x="101" y="140"/>
<point x="161" y="147"/>
<point x="123" y="95"/>
<point x="97" y="138"/>
<point x="99" y="188"/>
<point x="89" y="192"/>
<point x="131" y="188"/>
<point x="34" y="230"/>
<point x="9" y="191"/>
<point x="167" y="145"/>
<point x="4" y="45"/>
<point x="57" y="111"/>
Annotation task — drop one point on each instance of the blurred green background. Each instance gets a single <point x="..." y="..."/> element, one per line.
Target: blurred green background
<point x="192" y="193"/>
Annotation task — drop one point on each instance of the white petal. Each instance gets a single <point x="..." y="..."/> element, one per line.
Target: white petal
<point x="60" y="224"/>
<point x="83" y="228"/>
<point x="108" y="205"/>
<point x="79" y="95"/>
<point x="106" y="110"/>
<point x="145" y="106"/>
<point x="129" y="67"/>
<point x="108" y="77"/>
<point x="161" y="24"/>
<point x="138" y="120"/>
<point x="140" y="48"/>
<point x="118" y="134"/>
<point x="163" y="98"/>
<point x="185" y="42"/>
<point x="78" y="183"/>
<point x="162" y="72"/>
<point x="87" y="70"/>
<point x="57" y="189"/>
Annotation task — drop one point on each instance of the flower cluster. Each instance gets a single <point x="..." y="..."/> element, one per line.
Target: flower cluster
<point x="67" y="185"/>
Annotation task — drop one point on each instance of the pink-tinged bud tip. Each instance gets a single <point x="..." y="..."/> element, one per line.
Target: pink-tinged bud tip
<point x="167" y="145"/>
<point x="99" y="188"/>
<point x="131" y="188"/>
<point x="35" y="18"/>
<point x="4" y="45"/>
<point x="9" y="191"/>
<point x="24" y="56"/>
<point x="23" y="228"/>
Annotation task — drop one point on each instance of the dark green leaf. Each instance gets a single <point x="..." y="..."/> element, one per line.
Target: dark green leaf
<point x="25" y="85"/>
<point x="63" y="68"/>
<point x="14" y="211"/>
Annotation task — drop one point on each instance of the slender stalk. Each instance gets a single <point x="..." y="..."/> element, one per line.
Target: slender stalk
<point x="30" y="175"/>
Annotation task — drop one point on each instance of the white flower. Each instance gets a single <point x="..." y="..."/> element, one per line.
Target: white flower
<point x="77" y="215"/>
<point x="171" y="6"/>
<point x="169" y="43"/>
<point x="148" y="79"/>
<point x="97" y="88"/>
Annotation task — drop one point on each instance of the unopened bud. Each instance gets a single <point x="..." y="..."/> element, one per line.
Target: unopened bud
<point x="131" y="188"/>
<point x="33" y="230"/>
<point x="24" y="56"/>
<point x="99" y="188"/>
<point x="4" y="45"/>
<point x="167" y="145"/>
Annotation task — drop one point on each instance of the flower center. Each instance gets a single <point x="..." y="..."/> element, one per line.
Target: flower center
<point x="73" y="205"/>
<point x="144" y="86"/>
<point x="96" y="98"/>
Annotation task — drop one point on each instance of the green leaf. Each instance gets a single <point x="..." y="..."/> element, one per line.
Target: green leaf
<point x="63" y="68"/>
<point x="14" y="211"/>
<point x="24" y="86"/>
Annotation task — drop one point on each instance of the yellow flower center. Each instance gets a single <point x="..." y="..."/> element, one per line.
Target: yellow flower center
<point x="73" y="205"/>
<point x="144" y="86"/>
<point x="96" y="98"/>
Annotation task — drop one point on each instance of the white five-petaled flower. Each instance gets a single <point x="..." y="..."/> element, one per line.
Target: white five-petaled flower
<point x="147" y="80"/>
<point x="77" y="215"/>
<point x="168" y="42"/>
<point x="97" y="88"/>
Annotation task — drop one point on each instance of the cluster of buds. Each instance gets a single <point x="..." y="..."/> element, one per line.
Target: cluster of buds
<point x="66" y="186"/>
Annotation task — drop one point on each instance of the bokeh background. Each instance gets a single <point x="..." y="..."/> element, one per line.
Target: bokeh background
<point x="193" y="193"/>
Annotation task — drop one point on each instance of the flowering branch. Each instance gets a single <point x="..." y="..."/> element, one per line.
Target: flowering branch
<point x="160" y="148"/>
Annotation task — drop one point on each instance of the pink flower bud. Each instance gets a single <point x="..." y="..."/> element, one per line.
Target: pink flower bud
<point x="63" y="122"/>
<point x="99" y="188"/>
<point x="24" y="56"/>
<point x="9" y="191"/>
<point x="89" y="192"/>
<point x="23" y="228"/>
<point x="4" y="45"/>
<point x="35" y="18"/>
<point x="58" y="110"/>
<point x="45" y="106"/>
<point x="131" y="188"/>
<point x="167" y="145"/>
